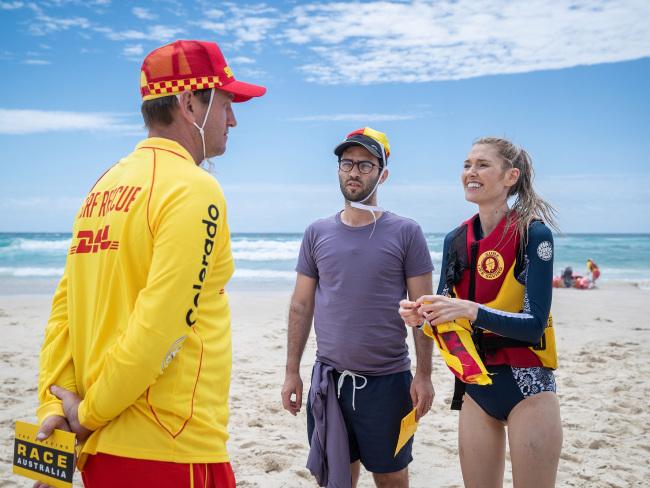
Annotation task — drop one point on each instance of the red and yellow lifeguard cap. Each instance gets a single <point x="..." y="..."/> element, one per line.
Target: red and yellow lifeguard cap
<point x="374" y="141"/>
<point x="191" y="65"/>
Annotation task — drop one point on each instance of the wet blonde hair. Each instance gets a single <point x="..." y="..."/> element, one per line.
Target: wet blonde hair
<point x="528" y="205"/>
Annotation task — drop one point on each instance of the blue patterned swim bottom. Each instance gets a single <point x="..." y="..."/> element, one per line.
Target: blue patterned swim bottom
<point x="509" y="387"/>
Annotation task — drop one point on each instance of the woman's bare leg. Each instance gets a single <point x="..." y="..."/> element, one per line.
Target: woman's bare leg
<point x="482" y="447"/>
<point x="535" y="440"/>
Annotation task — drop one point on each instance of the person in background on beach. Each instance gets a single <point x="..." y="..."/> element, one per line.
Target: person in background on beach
<point x="137" y="353"/>
<point x="567" y="277"/>
<point x="353" y="269"/>
<point x="593" y="270"/>
<point x="497" y="271"/>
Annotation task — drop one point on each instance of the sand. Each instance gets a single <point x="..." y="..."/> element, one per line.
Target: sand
<point x="603" y="384"/>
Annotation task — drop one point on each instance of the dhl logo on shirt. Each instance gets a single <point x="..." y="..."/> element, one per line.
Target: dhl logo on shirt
<point x="91" y="242"/>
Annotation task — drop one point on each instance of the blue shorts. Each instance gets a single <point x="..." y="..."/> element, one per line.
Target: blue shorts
<point x="509" y="387"/>
<point x="373" y="425"/>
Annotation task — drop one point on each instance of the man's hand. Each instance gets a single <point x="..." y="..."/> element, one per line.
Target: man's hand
<point x="49" y="424"/>
<point x="70" y="407"/>
<point x="408" y="310"/>
<point x="292" y="386"/>
<point x="422" y="394"/>
<point x="47" y="428"/>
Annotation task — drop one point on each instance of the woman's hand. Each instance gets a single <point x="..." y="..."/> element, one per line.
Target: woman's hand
<point x="409" y="313"/>
<point x="438" y="309"/>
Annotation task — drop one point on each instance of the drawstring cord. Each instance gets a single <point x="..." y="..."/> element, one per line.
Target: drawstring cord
<point x="370" y="208"/>
<point x="202" y="126"/>
<point x="373" y="208"/>
<point x="354" y="377"/>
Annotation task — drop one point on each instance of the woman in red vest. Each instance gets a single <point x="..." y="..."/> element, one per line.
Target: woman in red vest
<point x="497" y="272"/>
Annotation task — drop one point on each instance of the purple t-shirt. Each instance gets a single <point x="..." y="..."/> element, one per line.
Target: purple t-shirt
<point x="360" y="284"/>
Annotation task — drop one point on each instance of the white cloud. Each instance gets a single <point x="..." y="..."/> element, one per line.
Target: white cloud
<point x="250" y="9"/>
<point x="19" y="121"/>
<point x="253" y="29"/>
<point x="243" y="66"/>
<point x="37" y="62"/>
<point x="242" y="60"/>
<point x="11" y="5"/>
<point x="247" y="24"/>
<point x="427" y="40"/>
<point x="45" y="24"/>
<point x="354" y="118"/>
<point x="392" y="41"/>
<point x="76" y="3"/>
<point x="176" y="8"/>
<point x="253" y="73"/>
<point x="214" y="13"/>
<point x="158" y="33"/>
<point x="143" y="13"/>
<point x="133" y="52"/>
<point x="209" y="25"/>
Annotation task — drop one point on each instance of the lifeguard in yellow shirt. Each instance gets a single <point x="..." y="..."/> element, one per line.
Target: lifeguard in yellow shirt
<point x="137" y="352"/>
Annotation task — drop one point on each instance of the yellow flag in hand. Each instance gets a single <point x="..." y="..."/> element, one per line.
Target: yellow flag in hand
<point x="406" y="431"/>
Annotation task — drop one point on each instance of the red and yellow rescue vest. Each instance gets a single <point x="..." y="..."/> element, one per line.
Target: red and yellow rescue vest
<point x="490" y="280"/>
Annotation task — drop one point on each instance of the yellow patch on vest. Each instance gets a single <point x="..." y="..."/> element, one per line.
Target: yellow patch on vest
<point x="490" y="265"/>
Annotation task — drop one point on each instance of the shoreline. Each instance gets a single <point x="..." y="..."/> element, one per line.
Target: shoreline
<point x="39" y="287"/>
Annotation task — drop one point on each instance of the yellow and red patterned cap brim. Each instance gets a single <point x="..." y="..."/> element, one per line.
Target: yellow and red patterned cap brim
<point x="242" y="91"/>
<point x="172" y="87"/>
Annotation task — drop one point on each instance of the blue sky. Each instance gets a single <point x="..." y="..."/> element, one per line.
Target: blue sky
<point x="567" y="80"/>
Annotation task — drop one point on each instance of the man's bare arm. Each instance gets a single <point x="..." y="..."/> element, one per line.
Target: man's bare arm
<point x="301" y="313"/>
<point x="418" y="286"/>
<point x="422" y="391"/>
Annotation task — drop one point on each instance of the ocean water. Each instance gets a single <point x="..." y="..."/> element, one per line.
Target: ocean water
<point x="33" y="262"/>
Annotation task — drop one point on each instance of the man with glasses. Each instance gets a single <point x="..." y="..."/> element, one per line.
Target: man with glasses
<point x="354" y="268"/>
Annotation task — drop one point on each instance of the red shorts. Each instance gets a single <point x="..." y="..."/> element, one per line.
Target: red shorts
<point x="107" y="471"/>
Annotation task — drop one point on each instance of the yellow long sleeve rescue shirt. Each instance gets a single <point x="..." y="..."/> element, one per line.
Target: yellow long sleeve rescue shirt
<point x="140" y="322"/>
